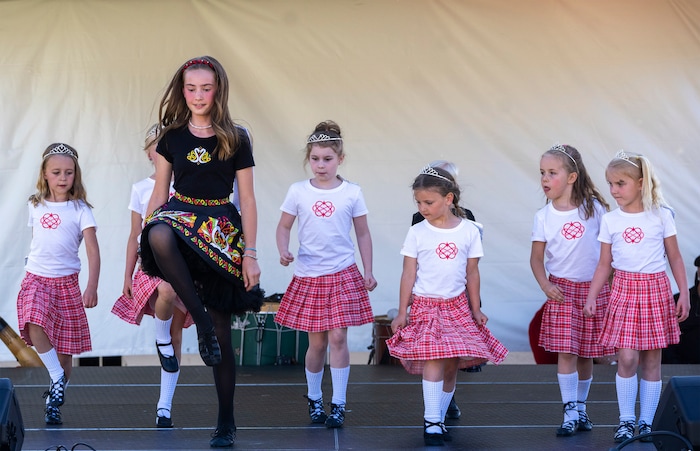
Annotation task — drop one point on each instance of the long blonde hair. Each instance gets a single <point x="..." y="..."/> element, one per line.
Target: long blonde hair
<point x="637" y="167"/>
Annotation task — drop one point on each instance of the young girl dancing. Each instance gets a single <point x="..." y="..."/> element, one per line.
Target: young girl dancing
<point x="327" y="293"/>
<point x="566" y="230"/>
<point x="446" y="329"/>
<point x="642" y="318"/>
<point x="197" y="241"/>
<point x="143" y="294"/>
<point x="50" y="308"/>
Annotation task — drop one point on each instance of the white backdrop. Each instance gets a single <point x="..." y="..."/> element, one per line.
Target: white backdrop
<point x="487" y="84"/>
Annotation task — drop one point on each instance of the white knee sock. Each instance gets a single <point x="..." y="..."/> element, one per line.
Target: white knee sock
<point x="626" y="388"/>
<point x="568" y="386"/>
<point x="50" y="360"/>
<point x="168" y="382"/>
<point x="339" y="377"/>
<point x="583" y="388"/>
<point x="445" y="403"/>
<point x="649" y="394"/>
<point x="432" y="394"/>
<point x="313" y="383"/>
<point x="163" y="336"/>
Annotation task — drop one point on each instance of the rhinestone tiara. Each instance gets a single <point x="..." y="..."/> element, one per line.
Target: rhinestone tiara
<point x="319" y="137"/>
<point x="60" y="149"/>
<point x="621" y="155"/>
<point x="433" y="173"/>
<point x="558" y="147"/>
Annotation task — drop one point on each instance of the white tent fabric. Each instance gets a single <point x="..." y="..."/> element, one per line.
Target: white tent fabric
<point x="489" y="85"/>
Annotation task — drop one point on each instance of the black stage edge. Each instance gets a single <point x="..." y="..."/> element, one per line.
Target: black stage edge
<point x="511" y="407"/>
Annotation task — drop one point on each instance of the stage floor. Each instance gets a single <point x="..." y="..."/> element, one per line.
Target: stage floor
<point x="511" y="407"/>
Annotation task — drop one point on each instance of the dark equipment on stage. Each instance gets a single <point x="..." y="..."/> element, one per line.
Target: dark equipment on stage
<point x="678" y="412"/>
<point x="11" y="424"/>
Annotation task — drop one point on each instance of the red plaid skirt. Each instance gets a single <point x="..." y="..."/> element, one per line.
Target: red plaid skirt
<point x="565" y="329"/>
<point x="143" y="289"/>
<point x="319" y="304"/>
<point x="56" y="305"/>
<point x="641" y="314"/>
<point x="443" y="329"/>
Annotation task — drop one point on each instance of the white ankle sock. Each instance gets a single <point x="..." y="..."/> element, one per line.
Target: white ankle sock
<point x="313" y="383"/>
<point x="568" y="385"/>
<point x="649" y="395"/>
<point x="626" y="388"/>
<point x="51" y="362"/>
<point x="583" y="388"/>
<point x="432" y="394"/>
<point x="168" y="382"/>
<point x="445" y="403"/>
<point x="339" y="378"/>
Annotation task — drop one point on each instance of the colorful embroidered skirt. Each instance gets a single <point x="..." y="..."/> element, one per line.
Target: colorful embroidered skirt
<point x="566" y="330"/>
<point x="210" y="238"/>
<point x="333" y="301"/>
<point x="55" y="304"/>
<point x="143" y="301"/>
<point x="443" y="329"/>
<point x="641" y="314"/>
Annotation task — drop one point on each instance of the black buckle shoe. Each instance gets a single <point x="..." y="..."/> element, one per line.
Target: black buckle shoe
<point x="169" y="363"/>
<point x="209" y="348"/>
<point x="223" y="437"/>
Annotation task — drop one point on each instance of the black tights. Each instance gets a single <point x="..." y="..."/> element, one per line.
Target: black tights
<point x="171" y="263"/>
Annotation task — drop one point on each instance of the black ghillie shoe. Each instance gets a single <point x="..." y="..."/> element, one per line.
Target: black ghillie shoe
<point x="209" y="348"/>
<point x="337" y="416"/>
<point x="568" y="428"/>
<point x="52" y="415"/>
<point x="316" y="412"/>
<point x="624" y="431"/>
<point x="56" y="393"/>
<point x="223" y="437"/>
<point x="161" y="420"/>
<point x="169" y="363"/>
<point x="446" y="433"/>
<point x="584" y="423"/>
<point x="645" y="428"/>
<point x="430" y="438"/>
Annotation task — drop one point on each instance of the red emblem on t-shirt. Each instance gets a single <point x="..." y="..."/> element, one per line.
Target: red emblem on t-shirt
<point x="572" y="230"/>
<point x="323" y="208"/>
<point x="633" y="235"/>
<point x="446" y="251"/>
<point x="50" y="221"/>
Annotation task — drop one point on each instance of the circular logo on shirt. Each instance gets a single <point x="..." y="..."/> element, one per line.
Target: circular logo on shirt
<point x="50" y="221"/>
<point x="446" y="251"/>
<point x="633" y="235"/>
<point x="323" y="208"/>
<point x="572" y="230"/>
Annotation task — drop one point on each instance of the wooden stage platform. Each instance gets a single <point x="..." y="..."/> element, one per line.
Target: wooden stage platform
<point x="509" y="407"/>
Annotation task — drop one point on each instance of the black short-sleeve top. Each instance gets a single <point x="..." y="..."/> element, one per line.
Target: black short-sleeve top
<point x="199" y="173"/>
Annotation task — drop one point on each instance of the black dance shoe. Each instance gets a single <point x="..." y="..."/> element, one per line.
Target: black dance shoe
<point x="169" y="363"/>
<point x="223" y="437"/>
<point x="209" y="347"/>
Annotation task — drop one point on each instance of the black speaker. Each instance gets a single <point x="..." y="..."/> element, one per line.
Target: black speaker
<point x="11" y="424"/>
<point x="678" y="412"/>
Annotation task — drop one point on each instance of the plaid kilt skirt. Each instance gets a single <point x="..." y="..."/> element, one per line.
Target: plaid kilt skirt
<point x="564" y="327"/>
<point x="641" y="314"/>
<point x="143" y="301"/>
<point x="443" y="329"/>
<point x="56" y="305"/>
<point x="332" y="301"/>
<point x="210" y="238"/>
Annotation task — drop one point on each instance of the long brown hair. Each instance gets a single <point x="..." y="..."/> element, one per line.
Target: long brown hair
<point x="174" y="113"/>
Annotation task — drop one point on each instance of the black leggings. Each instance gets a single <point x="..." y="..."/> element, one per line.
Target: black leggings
<point x="171" y="263"/>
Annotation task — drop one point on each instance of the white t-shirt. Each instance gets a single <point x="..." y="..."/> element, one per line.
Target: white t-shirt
<point x="637" y="239"/>
<point x="442" y="257"/>
<point x="141" y="194"/>
<point x="325" y="219"/>
<point x="56" y="237"/>
<point x="572" y="248"/>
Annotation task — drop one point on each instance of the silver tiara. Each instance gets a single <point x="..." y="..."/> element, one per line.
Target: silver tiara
<point x="432" y="172"/>
<point x="60" y="149"/>
<point x="322" y="137"/>
<point x="153" y="132"/>
<point x="621" y="155"/>
<point x="558" y="147"/>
